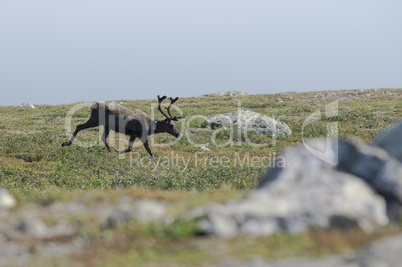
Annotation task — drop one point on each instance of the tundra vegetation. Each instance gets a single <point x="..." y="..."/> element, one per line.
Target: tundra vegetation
<point x="204" y="165"/>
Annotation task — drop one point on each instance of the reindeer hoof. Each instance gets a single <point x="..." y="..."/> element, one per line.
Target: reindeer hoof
<point x="66" y="143"/>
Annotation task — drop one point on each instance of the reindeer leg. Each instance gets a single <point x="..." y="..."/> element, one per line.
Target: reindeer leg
<point x="104" y="137"/>
<point x="146" y="145"/>
<point x="130" y="146"/>
<point x="89" y="124"/>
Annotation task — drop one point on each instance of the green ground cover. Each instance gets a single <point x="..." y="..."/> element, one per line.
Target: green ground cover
<point x="34" y="166"/>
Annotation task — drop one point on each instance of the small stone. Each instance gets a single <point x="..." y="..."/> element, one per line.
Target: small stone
<point x="6" y="199"/>
<point x="149" y="211"/>
<point x="278" y="100"/>
<point x="123" y="213"/>
<point x="220" y="225"/>
<point x="34" y="227"/>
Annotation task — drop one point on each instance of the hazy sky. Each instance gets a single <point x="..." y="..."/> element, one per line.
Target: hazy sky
<point x="54" y="52"/>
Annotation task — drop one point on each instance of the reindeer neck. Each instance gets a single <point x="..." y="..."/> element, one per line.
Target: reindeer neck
<point x="155" y="128"/>
<point x="152" y="128"/>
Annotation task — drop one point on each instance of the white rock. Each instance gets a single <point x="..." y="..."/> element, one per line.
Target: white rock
<point x="149" y="211"/>
<point x="26" y="105"/>
<point x="220" y="225"/>
<point x="6" y="199"/>
<point x="248" y="120"/>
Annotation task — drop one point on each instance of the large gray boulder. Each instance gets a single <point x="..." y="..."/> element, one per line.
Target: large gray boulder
<point x="349" y="184"/>
<point x="298" y="201"/>
<point x="382" y="172"/>
<point x="248" y="120"/>
<point x="377" y="168"/>
<point x="391" y="141"/>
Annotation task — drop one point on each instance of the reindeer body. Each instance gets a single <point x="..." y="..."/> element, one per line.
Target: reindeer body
<point x="132" y="122"/>
<point x="114" y="115"/>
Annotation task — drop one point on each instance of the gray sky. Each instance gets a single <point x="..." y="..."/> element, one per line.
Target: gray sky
<point x="54" y="52"/>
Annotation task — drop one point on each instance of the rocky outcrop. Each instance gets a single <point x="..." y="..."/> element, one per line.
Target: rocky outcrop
<point x="391" y="141"/>
<point x="296" y="200"/>
<point x="382" y="172"/>
<point x="349" y="184"/>
<point x="248" y="120"/>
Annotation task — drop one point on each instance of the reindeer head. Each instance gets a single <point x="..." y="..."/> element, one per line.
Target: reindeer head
<point x="168" y="125"/>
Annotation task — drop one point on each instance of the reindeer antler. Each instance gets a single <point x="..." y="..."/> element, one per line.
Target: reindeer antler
<point x="172" y="101"/>
<point x="160" y="99"/>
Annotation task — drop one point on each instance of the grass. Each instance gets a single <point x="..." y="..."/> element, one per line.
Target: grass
<point x="135" y="245"/>
<point x="34" y="168"/>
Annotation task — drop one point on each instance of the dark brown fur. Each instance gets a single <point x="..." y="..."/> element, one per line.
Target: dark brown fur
<point x="132" y="122"/>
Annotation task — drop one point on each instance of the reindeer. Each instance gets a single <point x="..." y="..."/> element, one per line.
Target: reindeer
<point x="134" y="123"/>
